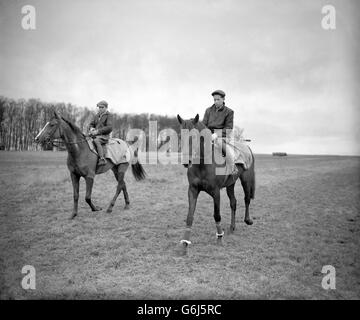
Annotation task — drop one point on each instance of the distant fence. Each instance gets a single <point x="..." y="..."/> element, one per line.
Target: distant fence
<point x="279" y="154"/>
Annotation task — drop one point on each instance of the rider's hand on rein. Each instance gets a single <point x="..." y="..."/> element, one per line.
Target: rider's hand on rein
<point x="214" y="136"/>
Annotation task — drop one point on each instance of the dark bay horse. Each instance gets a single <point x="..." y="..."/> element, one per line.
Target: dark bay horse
<point x="203" y="177"/>
<point x="82" y="162"/>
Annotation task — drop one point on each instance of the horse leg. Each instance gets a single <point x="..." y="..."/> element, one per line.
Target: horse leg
<point x="217" y="216"/>
<point x="231" y="194"/>
<point x="246" y="184"/>
<point x="75" y="182"/>
<point x="126" y="197"/>
<point x="193" y="193"/>
<point x="120" y="179"/>
<point x="89" y="185"/>
<point x="122" y="170"/>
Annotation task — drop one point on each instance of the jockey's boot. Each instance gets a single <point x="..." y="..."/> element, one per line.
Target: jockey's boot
<point x="100" y="151"/>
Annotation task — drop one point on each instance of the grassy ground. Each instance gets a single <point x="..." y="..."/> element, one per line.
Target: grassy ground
<point x="306" y="215"/>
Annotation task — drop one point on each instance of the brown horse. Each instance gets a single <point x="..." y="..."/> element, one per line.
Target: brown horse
<point x="203" y="177"/>
<point x="82" y="162"/>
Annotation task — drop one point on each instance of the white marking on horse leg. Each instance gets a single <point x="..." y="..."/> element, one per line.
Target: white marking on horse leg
<point x="220" y="235"/>
<point x="219" y="231"/>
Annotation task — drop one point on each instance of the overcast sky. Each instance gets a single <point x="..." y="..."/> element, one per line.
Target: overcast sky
<point x="294" y="86"/>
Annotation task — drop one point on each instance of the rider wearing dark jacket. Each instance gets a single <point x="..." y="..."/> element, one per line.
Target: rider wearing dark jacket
<point x="220" y="117"/>
<point x="100" y="128"/>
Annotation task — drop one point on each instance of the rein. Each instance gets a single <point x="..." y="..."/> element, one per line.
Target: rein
<point x="75" y="142"/>
<point x="57" y="143"/>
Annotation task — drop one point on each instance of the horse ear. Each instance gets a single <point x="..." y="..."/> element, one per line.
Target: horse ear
<point x="179" y="119"/>
<point x="196" y="119"/>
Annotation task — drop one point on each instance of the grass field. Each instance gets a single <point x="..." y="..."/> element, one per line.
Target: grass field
<point x="306" y="215"/>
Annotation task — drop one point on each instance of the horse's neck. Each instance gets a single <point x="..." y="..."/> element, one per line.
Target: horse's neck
<point x="72" y="144"/>
<point x="200" y="127"/>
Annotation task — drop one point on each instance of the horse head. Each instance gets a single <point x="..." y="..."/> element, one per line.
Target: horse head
<point x="189" y="124"/>
<point x="57" y="128"/>
<point x="50" y="131"/>
<point x="200" y="138"/>
<point x="162" y="139"/>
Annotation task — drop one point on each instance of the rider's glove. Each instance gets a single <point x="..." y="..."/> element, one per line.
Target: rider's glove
<point x="214" y="136"/>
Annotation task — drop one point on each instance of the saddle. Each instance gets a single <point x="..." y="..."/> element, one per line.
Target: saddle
<point x="116" y="150"/>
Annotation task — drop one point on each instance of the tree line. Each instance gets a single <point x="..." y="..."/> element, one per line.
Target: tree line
<point x="21" y="120"/>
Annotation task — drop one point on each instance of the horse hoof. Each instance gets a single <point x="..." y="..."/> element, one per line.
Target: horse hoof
<point x="248" y="222"/>
<point x="72" y="216"/>
<point x="231" y="229"/>
<point x="97" y="209"/>
<point x="127" y="207"/>
<point x="108" y="210"/>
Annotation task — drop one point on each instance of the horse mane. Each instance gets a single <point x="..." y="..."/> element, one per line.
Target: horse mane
<point x="72" y="126"/>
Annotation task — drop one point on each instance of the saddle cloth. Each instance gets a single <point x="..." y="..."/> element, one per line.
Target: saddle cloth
<point x="242" y="155"/>
<point x="117" y="150"/>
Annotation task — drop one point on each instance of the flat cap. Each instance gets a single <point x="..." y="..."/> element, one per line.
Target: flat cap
<point x="219" y="92"/>
<point x="102" y="103"/>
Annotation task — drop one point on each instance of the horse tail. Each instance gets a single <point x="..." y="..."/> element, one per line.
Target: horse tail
<point x="136" y="167"/>
<point x="138" y="171"/>
<point x="252" y="180"/>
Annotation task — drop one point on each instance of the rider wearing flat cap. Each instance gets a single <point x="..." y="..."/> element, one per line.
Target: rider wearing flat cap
<point x="220" y="117"/>
<point x="100" y="128"/>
